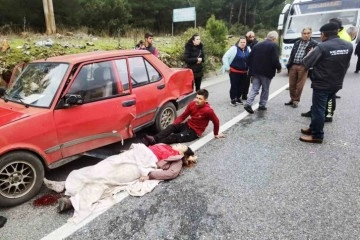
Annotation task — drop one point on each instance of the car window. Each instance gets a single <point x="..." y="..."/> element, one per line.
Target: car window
<point x="138" y="72"/>
<point x="95" y="81"/>
<point x="81" y="82"/>
<point x="142" y="72"/>
<point x="153" y="73"/>
<point x="121" y="67"/>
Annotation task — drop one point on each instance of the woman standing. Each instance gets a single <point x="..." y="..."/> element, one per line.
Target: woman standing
<point x="235" y="61"/>
<point x="194" y="57"/>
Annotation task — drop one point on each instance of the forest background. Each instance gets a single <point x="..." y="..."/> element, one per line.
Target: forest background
<point x="88" y="25"/>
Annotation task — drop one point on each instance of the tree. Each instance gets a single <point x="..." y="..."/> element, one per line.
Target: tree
<point x="49" y="16"/>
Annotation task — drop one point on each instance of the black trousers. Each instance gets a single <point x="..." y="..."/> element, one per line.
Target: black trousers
<point x="237" y="84"/>
<point x="358" y="64"/>
<point x="176" y="133"/>
<point x="330" y="106"/>
<point x="246" y="87"/>
<point x="197" y="83"/>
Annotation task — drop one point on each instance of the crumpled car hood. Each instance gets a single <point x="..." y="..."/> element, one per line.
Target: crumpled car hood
<point x="8" y="116"/>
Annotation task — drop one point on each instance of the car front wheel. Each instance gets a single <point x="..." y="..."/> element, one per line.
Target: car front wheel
<point x="21" y="177"/>
<point x="165" y="116"/>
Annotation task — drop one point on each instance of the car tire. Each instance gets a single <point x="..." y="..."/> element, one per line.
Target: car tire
<point x="165" y="116"/>
<point x="21" y="177"/>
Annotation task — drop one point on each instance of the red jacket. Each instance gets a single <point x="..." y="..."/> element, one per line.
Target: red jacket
<point x="199" y="118"/>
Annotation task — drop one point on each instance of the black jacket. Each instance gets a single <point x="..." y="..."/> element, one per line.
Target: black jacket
<point x="330" y="60"/>
<point x="192" y="53"/>
<point x="295" y="48"/>
<point x="357" y="49"/>
<point x="264" y="59"/>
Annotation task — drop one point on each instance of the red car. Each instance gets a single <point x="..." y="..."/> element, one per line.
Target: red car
<point x="60" y="107"/>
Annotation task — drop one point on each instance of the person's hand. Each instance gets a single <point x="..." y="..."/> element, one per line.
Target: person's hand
<point x="199" y="60"/>
<point x="220" y="135"/>
<point x="143" y="178"/>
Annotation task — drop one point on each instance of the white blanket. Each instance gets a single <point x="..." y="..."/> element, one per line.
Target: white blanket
<point x="91" y="189"/>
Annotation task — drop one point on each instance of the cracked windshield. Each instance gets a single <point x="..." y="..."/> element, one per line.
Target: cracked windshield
<point x="38" y="84"/>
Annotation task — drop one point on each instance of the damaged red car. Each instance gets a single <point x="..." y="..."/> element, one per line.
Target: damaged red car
<point x="61" y="107"/>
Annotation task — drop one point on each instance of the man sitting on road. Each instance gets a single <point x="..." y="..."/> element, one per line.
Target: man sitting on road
<point x="200" y="114"/>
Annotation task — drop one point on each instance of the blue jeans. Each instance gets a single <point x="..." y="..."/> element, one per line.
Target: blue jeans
<point x="257" y="82"/>
<point x="318" y="108"/>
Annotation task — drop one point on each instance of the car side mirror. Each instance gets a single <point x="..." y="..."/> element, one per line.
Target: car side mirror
<point x="73" y="99"/>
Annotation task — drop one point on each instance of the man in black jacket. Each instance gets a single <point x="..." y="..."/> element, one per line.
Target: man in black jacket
<point x="263" y="63"/>
<point x="297" y="72"/>
<point x="330" y="61"/>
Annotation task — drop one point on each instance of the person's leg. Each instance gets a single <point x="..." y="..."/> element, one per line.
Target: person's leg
<point x="172" y="128"/>
<point x="185" y="135"/>
<point x="256" y="84"/>
<point x="293" y="75"/>
<point x="264" y="96"/>
<point x="330" y="108"/>
<point x="197" y="83"/>
<point x="357" y="69"/>
<point x="242" y="85"/>
<point x="246" y="88"/>
<point x="319" y="101"/>
<point x="233" y="87"/>
<point x="302" y="76"/>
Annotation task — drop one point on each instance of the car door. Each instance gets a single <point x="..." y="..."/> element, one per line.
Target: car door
<point x="105" y="117"/>
<point x="148" y="89"/>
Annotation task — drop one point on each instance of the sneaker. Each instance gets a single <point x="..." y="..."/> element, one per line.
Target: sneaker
<point x="328" y="119"/>
<point x="238" y="101"/>
<point x="64" y="204"/>
<point x="307" y="114"/>
<point x="262" y="108"/>
<point x="233" y="103"/>
<point x="249" y="109"/>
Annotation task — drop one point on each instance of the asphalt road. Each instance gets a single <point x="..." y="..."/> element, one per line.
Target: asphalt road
<point x="260" y="182"/>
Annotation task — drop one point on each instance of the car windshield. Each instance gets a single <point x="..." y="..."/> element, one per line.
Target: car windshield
<point x="37" y="84"/>
<point x="315" y="21"/>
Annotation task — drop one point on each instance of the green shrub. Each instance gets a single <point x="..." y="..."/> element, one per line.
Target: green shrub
<point x="216" y="32"/>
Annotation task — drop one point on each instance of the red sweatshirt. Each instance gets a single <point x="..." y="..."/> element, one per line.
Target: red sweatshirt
<point x="199" y="118"/>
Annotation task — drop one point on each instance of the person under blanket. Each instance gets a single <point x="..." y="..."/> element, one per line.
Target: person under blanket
<point x="171" y="159"/>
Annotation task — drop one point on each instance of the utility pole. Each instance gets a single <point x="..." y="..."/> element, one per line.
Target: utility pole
<point x="49" y="16"/>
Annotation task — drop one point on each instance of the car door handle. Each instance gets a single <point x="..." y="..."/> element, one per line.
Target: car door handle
<point x="129" y="103"/>
<point x="161" y="86"/>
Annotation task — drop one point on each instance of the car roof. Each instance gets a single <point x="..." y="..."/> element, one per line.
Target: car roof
<point x="88" y="56"/>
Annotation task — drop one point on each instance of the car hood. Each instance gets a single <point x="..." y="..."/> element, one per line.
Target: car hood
<point x="8" y="116"/>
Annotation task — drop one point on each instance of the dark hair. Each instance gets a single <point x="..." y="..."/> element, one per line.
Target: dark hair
<point x="141" y="42"/>
<point x="186" y="161"/>
<point x="337" y="21"/>
<point x="148" y="34"/>
<point x="193" y="37"/>
<point x="203" y="92"/>
<point x="189" y="152"/>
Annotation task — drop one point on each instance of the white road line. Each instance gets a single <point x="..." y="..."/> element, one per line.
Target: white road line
<point x="69" y="228"/>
